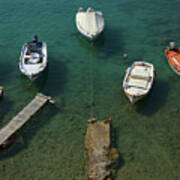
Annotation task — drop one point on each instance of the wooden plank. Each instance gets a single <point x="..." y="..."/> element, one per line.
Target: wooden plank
<point x="23" y="116"/>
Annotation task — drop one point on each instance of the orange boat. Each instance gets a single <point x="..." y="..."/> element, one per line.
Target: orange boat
<point x="173" y="56"/>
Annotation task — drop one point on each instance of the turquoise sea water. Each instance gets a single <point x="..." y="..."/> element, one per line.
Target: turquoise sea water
<point x="51" y="145"/>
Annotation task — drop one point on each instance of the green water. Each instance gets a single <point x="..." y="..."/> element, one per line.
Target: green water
<point x="51" y="145"/>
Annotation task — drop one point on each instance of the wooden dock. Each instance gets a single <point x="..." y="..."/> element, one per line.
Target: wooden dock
<point x="23" y="116"/>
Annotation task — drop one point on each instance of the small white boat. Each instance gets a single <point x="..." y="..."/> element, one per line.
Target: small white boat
<point x="90" y="23"/>
<point x="33" y="59"/>
<point x="138" y="80"/>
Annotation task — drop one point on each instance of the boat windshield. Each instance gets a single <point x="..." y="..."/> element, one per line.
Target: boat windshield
<point x="34" y="47"/>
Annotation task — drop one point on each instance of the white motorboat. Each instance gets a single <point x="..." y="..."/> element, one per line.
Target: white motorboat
<point x="138" y="80"/>
<point x="33" y="59"/>
<point x="90" y="23"/>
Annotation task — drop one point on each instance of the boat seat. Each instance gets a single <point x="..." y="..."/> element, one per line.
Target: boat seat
<point x="176" y="61"/>
<point x="141" y="77"/>
<point x="139" y="72"/>
<point x="138" y="83"/>
<point x="33" y="47"/>
<point x="136" y="91"/>
<point x="26" y="60"/>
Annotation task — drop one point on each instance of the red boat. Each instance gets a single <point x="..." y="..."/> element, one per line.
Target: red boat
<point x="173" y="57"/>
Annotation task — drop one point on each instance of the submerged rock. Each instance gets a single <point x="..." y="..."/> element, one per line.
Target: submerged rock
<point x="100" y="157"/>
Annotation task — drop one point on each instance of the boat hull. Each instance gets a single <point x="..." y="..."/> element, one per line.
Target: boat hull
<point x="134" y="99"/>
<point x="177" y="72"/>
<point x="86" y="35"/>
<point x="85" y="21"/>
<point x="132" y="90"/>
<point x="32" y="75"/>
<point x="169" y="55"/>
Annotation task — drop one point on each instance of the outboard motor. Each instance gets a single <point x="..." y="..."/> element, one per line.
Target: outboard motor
<point x="81" y="9"/>
<point x="35" y="39"/>
<point x="172" y="45"/>
<point x="90" y="9"/>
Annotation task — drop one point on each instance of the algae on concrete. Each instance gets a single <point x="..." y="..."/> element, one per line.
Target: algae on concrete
<point x="100" y="156"/>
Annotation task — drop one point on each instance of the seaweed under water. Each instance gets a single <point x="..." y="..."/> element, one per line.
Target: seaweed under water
<point x="51" y="145"/>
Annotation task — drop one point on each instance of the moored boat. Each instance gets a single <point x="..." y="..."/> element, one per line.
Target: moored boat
<point x="173" y="56"/>
<point x="33" y="58"/>
<point x="138" y="80"/>
<point x="90" y="23"/>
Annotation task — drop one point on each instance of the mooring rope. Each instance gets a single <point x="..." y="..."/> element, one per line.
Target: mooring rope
<point x="91" y="85"/>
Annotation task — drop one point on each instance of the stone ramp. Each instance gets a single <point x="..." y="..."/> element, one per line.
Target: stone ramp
<point x="23" y="116"/>
<point x="98" y="150"/>
<point x="98" y="134"/>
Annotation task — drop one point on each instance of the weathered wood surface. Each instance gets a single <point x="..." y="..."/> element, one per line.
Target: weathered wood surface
<point x="97" y="145"/>
<point x="23" y="116"/>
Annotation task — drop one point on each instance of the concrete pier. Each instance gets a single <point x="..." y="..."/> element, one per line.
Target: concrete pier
<point x="100" y="156"/>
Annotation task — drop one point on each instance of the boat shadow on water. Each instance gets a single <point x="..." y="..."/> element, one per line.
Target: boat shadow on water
<point x="50" y="82"/>
<point x="108" y="44"/>
<point x="114" y="144"/>
<point x="6" y="73"/>
<point x="21" y="140"/>
<point x="36" y="85"/>
<point x="155" y="99"/>
<point x="57" y="77"/>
